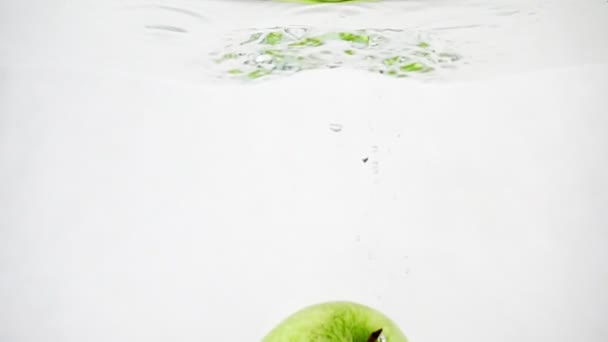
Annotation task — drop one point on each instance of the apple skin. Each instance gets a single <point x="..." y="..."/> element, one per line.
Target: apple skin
<point x="335" y="322"/>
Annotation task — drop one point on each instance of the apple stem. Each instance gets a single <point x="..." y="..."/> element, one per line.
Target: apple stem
<point x="375" y="335"/>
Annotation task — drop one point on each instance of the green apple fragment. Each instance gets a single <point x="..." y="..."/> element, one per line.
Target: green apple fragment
<point x="273" y="38"/>
<point x="282" y="51"/>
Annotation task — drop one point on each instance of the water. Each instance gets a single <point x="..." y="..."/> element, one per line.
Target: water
<point x="183" y="38"/>
<point x="489" y="38"/>
<point x="149" y="193"/>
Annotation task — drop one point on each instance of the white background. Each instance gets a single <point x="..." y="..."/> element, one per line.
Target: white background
<point x="139" y="201"/>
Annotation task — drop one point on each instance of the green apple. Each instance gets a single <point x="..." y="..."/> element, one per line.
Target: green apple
<point x="336" y="322"/>
<point x="324" y="1"/>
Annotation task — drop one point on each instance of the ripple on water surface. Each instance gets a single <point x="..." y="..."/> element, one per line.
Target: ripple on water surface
<point x="430" y="39"/>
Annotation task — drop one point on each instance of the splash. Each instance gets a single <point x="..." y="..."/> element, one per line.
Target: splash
<point x="283" y="51"/>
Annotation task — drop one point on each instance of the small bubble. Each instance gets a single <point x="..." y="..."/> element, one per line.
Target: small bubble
<point x="297" y="33"/>
<point x="335" y="127"/>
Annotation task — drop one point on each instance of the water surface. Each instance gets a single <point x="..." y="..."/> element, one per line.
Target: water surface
<point x="183" y="39"/>
<point x="485" y="38"/>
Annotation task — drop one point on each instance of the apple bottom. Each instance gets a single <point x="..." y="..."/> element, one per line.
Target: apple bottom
<point x="336" y="322"/>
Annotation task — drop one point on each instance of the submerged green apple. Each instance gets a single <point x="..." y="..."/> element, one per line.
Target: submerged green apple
<point x="336" y="322"/>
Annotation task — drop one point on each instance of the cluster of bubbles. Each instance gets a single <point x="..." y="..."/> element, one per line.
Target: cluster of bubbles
<point x="282" y="51"/>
